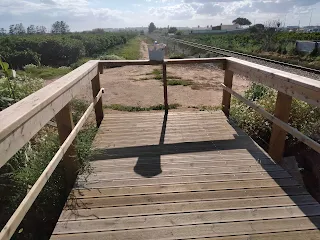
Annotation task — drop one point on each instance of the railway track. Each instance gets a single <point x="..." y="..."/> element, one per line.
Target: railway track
<point x="301" y="70"/>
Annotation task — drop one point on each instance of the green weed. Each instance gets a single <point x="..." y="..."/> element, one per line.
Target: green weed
<point x="206" y="108"/>
<point x="177" y="82"/>
<point x="45" y="72"/>
<point x="124" y="108"/>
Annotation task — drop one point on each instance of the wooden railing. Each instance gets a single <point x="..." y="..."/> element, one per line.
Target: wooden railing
<point x="20" y="122"/>
<point x="288" y="85"/>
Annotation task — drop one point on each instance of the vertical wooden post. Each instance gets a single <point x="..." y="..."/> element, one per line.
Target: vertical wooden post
<point x="165" y="85"/>
<point x="278" y="136"/>
<point x="226" y="98"/>
<point x="98" y="107"/>
<point x="100" y="66"/>
<point x="65" y="125"/>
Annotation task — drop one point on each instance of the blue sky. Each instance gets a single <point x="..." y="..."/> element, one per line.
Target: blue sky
<point x="88" y="14"/>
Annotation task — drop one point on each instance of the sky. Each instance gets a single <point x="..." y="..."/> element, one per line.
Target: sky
<point x="89" y="14"/>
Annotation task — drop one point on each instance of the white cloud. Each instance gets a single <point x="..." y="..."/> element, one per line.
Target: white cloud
<point x="174" y="12"/>
<point x="88" y="14"/>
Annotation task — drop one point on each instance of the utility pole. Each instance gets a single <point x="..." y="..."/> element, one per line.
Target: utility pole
<point x="311" y="17"/>
<point x="285" y="20"/>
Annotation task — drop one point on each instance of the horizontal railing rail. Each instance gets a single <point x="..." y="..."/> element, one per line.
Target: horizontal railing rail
<point x="20" y="122"/>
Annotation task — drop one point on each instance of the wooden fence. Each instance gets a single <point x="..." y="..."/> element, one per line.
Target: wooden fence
<point x="20" y="122"/>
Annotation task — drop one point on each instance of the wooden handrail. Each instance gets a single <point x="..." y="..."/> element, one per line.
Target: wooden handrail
<point x="294" y="132"/>
<point x="21" y="121"/>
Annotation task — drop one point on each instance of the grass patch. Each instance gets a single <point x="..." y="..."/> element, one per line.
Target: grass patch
<point x="177" y="56"/>
<point x="177" y="82"/>
<point x="130" y="50"/>
<point x="45" y="72"/>
<point x="124" y="108"/>
<point x="171" y="79"/>
<point x="143" y="79"/>
<point x="206" y="108"/>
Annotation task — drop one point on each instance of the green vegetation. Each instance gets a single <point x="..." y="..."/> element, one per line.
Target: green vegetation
<point x="177" y="56"/>
<point x="129" y="51"/>
<point x="44" y="72"/>
<point x="57" y="50"/>
<point x="264" y="42"/>
<point x="124" y="108"/>
<point x="206" y="108"/>
<point x="242" y="21"/>
<point x="303" y="116"/>
<point x="110" y="57"/>
<point x="171" y="80"/>
<point x="176" y="82"/>
<point x="151" y="27"/>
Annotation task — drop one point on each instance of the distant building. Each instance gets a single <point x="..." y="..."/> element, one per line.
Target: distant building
<point x="229" y="27"/>
<point x="293" y="28"/>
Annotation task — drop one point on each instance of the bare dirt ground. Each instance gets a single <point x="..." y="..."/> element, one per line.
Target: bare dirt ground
<point x="128" y="85"/>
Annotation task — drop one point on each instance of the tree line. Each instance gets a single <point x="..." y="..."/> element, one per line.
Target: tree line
<point x="59" y="27"/>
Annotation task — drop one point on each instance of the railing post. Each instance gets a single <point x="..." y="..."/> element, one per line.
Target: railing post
<point x="278" y="136"/>
<point x="165" y="85"/>
<point x="65" y="125"/>
<point x="100" y="66"/>
<point x="95" y="90"/>
<point x="226" y="98"/>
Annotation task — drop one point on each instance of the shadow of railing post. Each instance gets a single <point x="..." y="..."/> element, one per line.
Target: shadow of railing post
<point x="150" y="166"/>
<point x="165" y="85"/>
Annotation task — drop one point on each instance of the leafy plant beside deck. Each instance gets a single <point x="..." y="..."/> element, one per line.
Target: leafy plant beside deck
<point x="303" y="117"/>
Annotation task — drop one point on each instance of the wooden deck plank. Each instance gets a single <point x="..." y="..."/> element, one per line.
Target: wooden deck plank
<point x="180" y="207"/>
<point x="181" y="219"/>
<point x="204" y="230"/>
<point x="184" y="187"/>
<point x="183" y="197"/>
<point x="187" y="175"/>
<point x="88" y="182"/>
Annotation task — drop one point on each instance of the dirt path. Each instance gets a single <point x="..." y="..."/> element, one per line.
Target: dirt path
<point x="136" y="86"/>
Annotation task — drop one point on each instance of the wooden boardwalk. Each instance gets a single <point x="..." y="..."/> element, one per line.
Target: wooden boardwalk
<point x="184" y="175"/>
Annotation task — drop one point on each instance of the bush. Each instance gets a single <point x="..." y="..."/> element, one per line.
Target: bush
<point x="57" y="50"/>
<point x="22" y="86"/>
<point x="45" y="72"/>
<point x="110" y="57"/>
<point x="30" y="66"/>
<point x="177" y="56"/>
<point x="303" y="116"/>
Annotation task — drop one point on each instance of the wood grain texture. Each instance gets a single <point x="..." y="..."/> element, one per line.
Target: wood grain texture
<point x="65" y="126"/>
<point x="98" y="108"/>
<point x="226" y="97"/>
<point x="180" y="176"/>
<point x="278" y="135"/>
